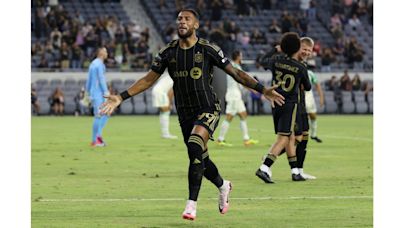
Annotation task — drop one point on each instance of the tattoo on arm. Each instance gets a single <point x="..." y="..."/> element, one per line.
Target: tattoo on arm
<point x="241" y="77"/>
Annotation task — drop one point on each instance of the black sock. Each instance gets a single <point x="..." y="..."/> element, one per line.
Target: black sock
<point x="269" y="160"/>
<point x="211" y="172"/>
<point x="292" y="162"/>
<point x="301" y="152"/>
<point x="196" y="167"/>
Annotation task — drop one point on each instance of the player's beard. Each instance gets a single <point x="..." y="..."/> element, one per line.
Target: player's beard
<point x="186" y="35"/>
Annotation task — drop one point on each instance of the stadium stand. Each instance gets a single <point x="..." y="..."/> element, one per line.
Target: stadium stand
<point x="318" y="27"/>
<point x="65" y="36"/>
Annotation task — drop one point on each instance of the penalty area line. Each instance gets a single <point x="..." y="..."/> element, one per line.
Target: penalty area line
<point x="232" y="198"/>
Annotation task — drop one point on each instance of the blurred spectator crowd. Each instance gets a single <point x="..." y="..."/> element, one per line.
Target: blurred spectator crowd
<point x="62" y="39"/>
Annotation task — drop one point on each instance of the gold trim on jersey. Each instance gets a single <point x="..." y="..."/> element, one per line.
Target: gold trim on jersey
<point x="207" y="43"/>
<point x="293" y="118"/>
<point x="170" y="44"/>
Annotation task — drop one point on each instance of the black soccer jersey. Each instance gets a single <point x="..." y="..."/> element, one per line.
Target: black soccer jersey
<point x="192" y="72"/>
<point x="289" y="74"/>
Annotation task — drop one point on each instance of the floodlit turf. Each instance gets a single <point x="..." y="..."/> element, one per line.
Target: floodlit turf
<point x="74" y="185"/>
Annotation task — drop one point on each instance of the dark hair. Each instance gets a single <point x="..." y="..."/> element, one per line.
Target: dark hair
<point x="290" y="43"/>
<point x="235" y="54"/>
<point x="194" y="12"/>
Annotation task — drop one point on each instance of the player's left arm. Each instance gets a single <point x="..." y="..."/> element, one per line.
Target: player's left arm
<point x="249" y="82"/>
<point x="305" y="80"/>
<point x="102" y="80"/>
<point x="320" y="94"/>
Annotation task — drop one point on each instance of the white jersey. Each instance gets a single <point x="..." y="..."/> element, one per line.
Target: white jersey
<point x="160" y="91"/>
<point x="163" y="85"/>
<point x="233" y="88"/>
<point x="311" y="107"/>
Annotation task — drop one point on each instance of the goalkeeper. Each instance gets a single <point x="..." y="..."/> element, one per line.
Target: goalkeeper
<point x="96" y="86"/>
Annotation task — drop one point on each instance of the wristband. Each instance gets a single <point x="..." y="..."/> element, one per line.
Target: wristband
<point x="125" y="95"/>
<point x="259" y="87"/>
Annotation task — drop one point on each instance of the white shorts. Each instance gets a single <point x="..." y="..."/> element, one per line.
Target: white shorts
<point x="311" y="107"/>
<point x="235" y="106"/>
<point x="160" y="99"/>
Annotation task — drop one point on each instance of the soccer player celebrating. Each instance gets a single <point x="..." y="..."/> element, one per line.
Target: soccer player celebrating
<point x="311" y="107"/>
<point x="190" y="62"/>
<point x="235" y="105"/>
<point x="162" y="98"/>
<point x="288" y="73"/>
<point x="96" y="88"/>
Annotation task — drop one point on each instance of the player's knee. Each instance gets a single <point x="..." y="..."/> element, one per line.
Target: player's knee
<point x="196" y="147"/>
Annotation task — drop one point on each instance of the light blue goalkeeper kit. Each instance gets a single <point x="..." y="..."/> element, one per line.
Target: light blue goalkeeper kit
<point x="96" y="86"/>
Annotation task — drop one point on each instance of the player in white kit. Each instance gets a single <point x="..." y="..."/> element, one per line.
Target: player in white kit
<point x="162" y="99"/>
<point x="235" y="105"/>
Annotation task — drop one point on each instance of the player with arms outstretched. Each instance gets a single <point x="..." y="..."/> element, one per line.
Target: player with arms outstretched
<point x="190" y="62"/>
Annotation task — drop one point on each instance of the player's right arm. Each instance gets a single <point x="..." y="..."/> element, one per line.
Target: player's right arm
<point x="139" y="86"/>
<point x="267" y="60"/>
<point x="305" y="80"/>
<point x="158" y="67"/>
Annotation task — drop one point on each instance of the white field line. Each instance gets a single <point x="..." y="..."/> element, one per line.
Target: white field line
<point x="322" y="136"/>
<point x="232" y="198"/>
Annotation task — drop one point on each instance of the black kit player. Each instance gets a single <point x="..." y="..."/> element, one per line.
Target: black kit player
<point x="190" y="62"/>
<point x="289" y="73"/>
<point x="302" y="124"/>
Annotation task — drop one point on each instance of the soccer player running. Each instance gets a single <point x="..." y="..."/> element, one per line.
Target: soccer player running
<point x="162" y="98"/>
<point x="287" y="72"/>
<point x="235" y="105"/>
<point x="96" y="88"/>
<point x="190" y="62"/>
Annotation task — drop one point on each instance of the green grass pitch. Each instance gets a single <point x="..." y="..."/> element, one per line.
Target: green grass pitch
<point x="140" y="180"/>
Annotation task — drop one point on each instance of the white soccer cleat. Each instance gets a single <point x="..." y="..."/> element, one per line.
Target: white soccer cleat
<point x="169" y="136"/>
<point x="190" y="210"/>
<point x="223" y="199"/>
<point x="307" y="176"/>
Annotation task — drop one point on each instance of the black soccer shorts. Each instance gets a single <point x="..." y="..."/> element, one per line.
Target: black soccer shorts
<point x="301" y="123"/>
<point x="284" y="118"/>
<point x="207" y="118"/>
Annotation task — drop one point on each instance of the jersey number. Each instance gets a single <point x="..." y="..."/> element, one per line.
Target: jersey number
<point x="209" y="119"/>
<point x="283" y="81"/>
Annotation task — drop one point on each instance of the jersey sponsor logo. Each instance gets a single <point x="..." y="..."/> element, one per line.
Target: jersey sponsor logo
<point x="198" y="58"/>
<point x="181" y="74"/>
<point x="195" y="73"/>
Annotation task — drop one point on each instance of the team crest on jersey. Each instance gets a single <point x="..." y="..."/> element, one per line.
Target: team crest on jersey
<point x="195" y="73"/>
<point x="198" y="58"/>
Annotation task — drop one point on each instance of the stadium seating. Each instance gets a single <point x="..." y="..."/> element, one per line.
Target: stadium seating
<point x="361" y="102"/>
<point x="348" y="104"/>
<point x="317" y="29"/>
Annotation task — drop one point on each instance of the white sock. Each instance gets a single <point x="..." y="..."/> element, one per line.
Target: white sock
<point x="313" y="128"/>
<point x="245" y="131"/>
<point x="301" y="171"/>
<point x="266" y="169"/>
<point x="164" y="122"/>
<point x="295" y="171"/>
<point x="224" y="130"/>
